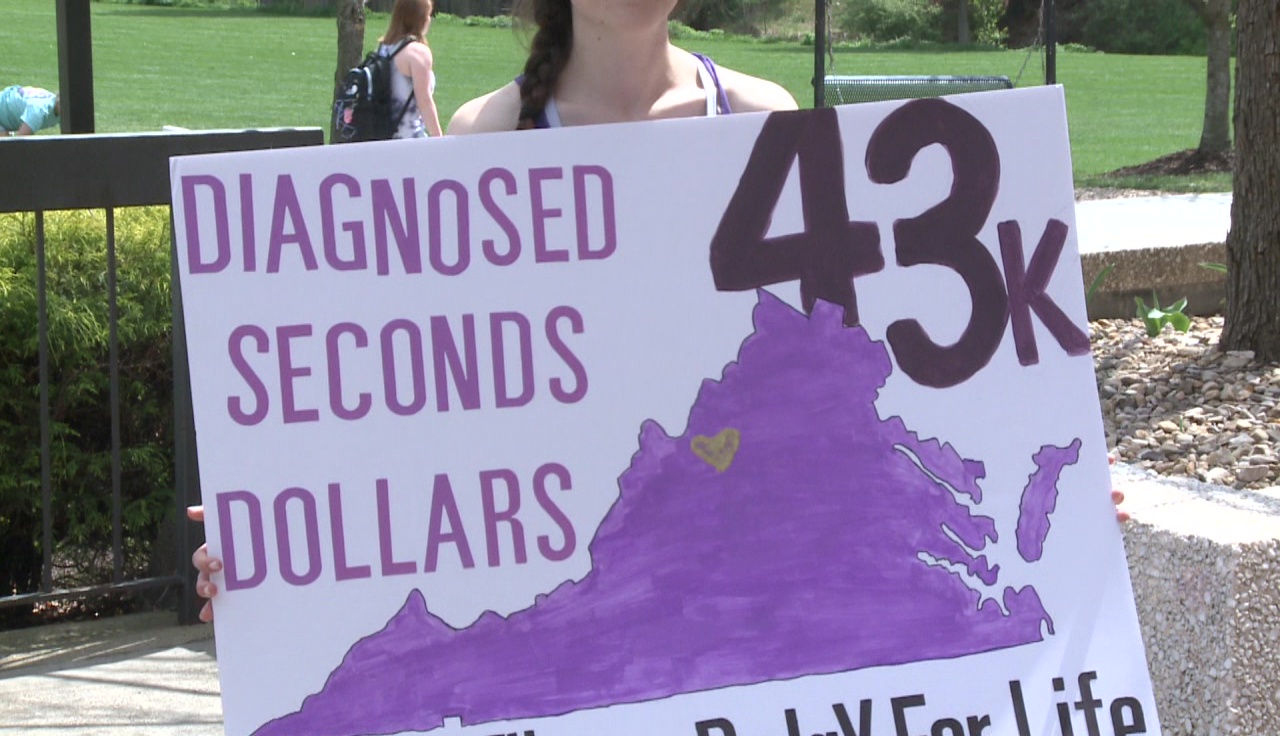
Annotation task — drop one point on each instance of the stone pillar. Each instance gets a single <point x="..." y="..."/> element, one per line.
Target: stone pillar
<point x="1205" y="565"/>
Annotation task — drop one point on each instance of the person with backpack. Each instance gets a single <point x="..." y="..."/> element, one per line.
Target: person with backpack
<point x="413" y="79"/>
<point x="26" y="110"/>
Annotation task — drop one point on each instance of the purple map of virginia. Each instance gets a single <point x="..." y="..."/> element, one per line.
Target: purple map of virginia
<point x="789" y="532"/>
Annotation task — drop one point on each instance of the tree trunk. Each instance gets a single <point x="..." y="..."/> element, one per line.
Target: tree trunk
<point x="1215" y="136"/>
<point x="962" y="31"/>
<point x="350" y="46"/>
<point x="1253" y="244"/>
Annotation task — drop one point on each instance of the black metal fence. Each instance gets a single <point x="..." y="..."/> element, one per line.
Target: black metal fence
<point x="49" y="173"/>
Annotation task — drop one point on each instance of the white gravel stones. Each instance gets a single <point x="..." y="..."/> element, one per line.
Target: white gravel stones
<point x="1177" y="405"/>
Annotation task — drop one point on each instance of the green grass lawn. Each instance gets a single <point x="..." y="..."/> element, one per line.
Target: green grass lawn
<point x="212" y="69"/>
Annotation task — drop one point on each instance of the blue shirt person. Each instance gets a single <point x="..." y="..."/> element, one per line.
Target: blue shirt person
<point x="25" y="110"/>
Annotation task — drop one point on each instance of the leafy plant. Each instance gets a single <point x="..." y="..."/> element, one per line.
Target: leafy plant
<point x="1156" y="317"/>
<point x="1097" y="281"/>
<point x="1216" y="268"/>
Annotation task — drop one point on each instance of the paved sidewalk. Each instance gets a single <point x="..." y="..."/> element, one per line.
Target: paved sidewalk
<point x="1169" y="220"/>
<point x="143" y="674"/>
<point x="136" y="674"/>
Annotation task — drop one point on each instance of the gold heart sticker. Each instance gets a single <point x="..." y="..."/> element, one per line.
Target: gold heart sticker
<point x="718" y="451"/>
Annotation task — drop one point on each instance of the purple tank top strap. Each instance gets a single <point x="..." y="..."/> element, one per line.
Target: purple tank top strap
<point x="722" y="99"/>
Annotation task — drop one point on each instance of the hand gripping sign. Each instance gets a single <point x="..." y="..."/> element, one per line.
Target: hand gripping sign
<point x="775" y="424"/>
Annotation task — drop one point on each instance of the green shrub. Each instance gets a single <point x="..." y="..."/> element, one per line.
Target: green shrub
<point x="985" y="18"/>
<point x="79" y="393"/>
<point x="301" y="8"/>
<point x="682" y="32"/>
<point x="1156" y="27"/>
<point x="483" y="21"/>
<point x="731" y="16"/>
<point x="189" y="3"/>
<point x="984" y="22"/>
<point x="882" y="21"/>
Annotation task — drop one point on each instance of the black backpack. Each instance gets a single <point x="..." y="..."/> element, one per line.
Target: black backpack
<point x="363" y="110"/>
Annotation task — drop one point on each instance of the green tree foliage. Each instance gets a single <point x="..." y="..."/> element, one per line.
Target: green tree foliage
<point x="882" y="21"/>
<point x="76" y="265"/>
<point x="984" y="18"/>
<point x="190" y="3"/>
<point x="733" y="16"/>
<point x="1159" y="27"/>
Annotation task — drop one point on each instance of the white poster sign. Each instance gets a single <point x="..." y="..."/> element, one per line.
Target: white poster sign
<point x="765" y="425"/>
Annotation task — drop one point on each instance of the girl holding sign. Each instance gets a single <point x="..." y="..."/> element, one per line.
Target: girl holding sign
<point x="592" y="62"/>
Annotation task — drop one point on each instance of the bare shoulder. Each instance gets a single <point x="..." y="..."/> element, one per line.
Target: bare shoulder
<point x="416" y="55"/>
<point x="753" y="94"/>
<point x="419" y="50"/>
<point x="497" y="111"/>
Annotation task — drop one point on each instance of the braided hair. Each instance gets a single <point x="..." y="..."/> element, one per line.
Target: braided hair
<point x="548" y="53"/>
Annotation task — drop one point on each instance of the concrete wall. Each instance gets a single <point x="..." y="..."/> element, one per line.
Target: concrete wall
<point x="1173" y="273"/>
<point x="1203" y="560"/>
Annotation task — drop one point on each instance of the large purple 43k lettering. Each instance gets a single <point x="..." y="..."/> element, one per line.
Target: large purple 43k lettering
<point x="831" y="251"/>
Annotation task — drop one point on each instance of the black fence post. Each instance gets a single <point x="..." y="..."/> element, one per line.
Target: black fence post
<point x="113" y="381"/>
<point x="186" y="465"/>
<point x="819" y="53"/>
<point x="1050" y="44"/>
<point x="46" y="437"/>
<point x="75" y="66"/>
